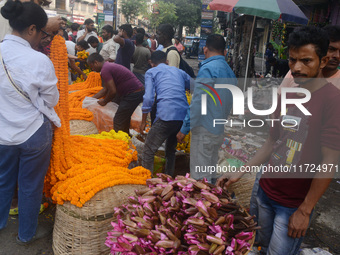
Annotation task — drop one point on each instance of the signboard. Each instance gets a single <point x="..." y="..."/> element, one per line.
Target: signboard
<point x="206" y="27"/>
<point x="207" y="23"/>
<point x="207" y="15"/>
<point x="206" y="2"/>
<point x="205" y="32"/>
<point x="77" y="18"/>
<point x="109" y="18"/>
<point x="101" y="18"/>
<point x="201" y="55"/>
<point x="71" y="4"/>
<point x="108" y="7"/>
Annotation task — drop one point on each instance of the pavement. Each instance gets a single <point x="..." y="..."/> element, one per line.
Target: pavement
<point x="8" y="245"/>
<point x="324" y="231"/>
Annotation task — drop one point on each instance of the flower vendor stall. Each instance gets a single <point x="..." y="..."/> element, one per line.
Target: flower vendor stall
<point x="81" y="167"/>
<point x="90" y="180"/>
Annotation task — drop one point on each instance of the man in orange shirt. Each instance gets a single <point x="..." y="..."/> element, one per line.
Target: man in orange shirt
<point x="330" y="71"/>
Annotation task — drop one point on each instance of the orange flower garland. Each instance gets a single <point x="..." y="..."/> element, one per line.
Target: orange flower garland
<point x="76" y="101"/>
<point x="93" y="80"/>
<point x="81" y="166"/>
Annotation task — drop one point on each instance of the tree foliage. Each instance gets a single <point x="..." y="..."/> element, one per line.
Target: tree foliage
<point x="133" y="8"/>
<point x="188" y="12"/>
<point x="165" y="13"/>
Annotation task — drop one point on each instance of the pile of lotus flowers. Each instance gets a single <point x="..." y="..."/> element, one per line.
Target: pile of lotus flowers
<point x="181" y="216"/>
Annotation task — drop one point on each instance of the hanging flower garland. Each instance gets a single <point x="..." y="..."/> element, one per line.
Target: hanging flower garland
<point x="82" y="166"/>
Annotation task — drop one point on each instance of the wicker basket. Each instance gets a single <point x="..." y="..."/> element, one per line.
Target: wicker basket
<point x="84" y="230"/>
<point x="82" y="127"/>
<point x="244" y="187"/>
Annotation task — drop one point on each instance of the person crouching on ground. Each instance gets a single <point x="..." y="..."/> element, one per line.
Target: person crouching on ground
<point x="121" y="81"/>
<point x="169" y="84"/>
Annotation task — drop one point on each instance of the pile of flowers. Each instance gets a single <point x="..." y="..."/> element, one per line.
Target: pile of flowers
<point x="120" y="135"/>
<point x="82" y="166"/>
<point x="82" y="55"/>
<point x="181" y="216"/>
<point x="93" y="80"/>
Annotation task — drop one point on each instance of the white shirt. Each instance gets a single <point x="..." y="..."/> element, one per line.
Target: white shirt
<point x="109" y="50"/>
<point x="34" y="73"/>
<point x="4" y="24"/>
<point x="88" y="35"/>
<point x="71" y="48"/>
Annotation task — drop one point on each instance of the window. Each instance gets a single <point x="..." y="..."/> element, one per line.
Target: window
<point x="60" y="4"/>
<point x="83" y="7"/>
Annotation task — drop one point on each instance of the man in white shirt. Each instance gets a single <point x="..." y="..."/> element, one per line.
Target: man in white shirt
<point x="110" y="47"/>
<point x="86" y="33"/>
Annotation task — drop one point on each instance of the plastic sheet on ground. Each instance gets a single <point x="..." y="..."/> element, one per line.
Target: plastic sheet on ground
<point x="314" y="251"/>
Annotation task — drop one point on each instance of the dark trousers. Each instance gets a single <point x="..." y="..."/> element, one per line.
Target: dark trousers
<point x="159" y="132"/>
<point x="127" y="106"/>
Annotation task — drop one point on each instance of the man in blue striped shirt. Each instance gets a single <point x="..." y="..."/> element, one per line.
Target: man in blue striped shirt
<point x="168" y="83"/>
<point x="207" y="138"/>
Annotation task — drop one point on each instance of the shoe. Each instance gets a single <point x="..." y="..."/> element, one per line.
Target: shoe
<point x="15" y="211"/>
<point x="40" y="233"/>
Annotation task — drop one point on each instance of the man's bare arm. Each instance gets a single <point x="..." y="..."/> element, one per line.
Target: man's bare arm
<point x="120" y="40"/>
<point x="298" y="222"/>
<point x="261" y="156"/>
<point x="101" y="93"/>
<point x="110" y="94"/>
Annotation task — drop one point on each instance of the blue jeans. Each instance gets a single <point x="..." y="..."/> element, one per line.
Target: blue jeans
<point x="273" y="219"/>
<point x="27" y="164"/>
<point x="204" y="153"/>
<point x="159" y="132"/>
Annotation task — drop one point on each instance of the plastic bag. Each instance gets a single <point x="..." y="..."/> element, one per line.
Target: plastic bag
<point x="103" y="115"/>
<point x="314" y="251"/>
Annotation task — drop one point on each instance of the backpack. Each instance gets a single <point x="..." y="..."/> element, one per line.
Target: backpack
<point x="183" y="65"/>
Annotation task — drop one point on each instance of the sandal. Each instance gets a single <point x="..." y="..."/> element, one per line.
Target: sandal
<point x="15" y="211"/>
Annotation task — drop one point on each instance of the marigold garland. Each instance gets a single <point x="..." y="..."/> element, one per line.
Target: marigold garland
<point x="81" y="166"/>
<point x="112" y="135"/>
<point x="77" y="112"/>
<point x="93" y="80"/>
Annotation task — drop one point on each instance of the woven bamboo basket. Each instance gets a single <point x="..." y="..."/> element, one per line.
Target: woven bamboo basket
<point x="82" y="127"/>
<point x="84" y="230"/>
<point x="244" y="187"/>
